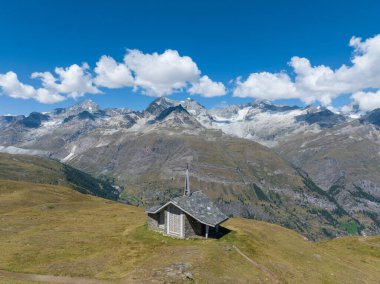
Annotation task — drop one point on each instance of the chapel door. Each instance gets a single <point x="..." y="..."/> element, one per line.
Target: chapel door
<point x="174" y="221"/>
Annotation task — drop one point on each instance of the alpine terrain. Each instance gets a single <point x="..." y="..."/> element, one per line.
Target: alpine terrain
<point x="309" y="169"/>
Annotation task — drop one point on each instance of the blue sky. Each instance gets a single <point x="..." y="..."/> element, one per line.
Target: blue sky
<point x="226" y="39"/>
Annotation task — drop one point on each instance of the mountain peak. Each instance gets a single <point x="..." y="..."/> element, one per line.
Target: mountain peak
<point x="313" y="108"/>
<point x="177" y="117"/>
<point x="261" y="101"/>
<point x="168" y="111"/>
<point x="373" y="117"/>
<point x="324" y="117"/>
<point x="163" y="101"/>
<point x="160" y="104"/>
<point x="267" y="105"/>
<point x="85" y="105"/>
<point x="88" y="104"/>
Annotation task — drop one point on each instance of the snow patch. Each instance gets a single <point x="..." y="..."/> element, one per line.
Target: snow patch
<point x="263" y="127"/>
<point x="51" y="123"/>
<point x="102" y="144"/>
<point x="354" y="116"/>
<point x="71" y="155"/>
<point x="241" y="114"/>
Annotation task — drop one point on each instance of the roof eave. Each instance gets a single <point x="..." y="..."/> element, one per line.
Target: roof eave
<point x="159" y="208"/>
<point x="223" y="221"/>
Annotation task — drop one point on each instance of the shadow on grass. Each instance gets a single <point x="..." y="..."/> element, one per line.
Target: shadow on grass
<point x="218" y="234"/>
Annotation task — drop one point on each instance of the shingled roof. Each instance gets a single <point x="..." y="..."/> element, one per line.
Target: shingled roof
<point x="198" y="206"/>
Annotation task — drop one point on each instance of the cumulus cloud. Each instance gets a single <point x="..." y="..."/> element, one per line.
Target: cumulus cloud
<point x="75" y="81"/>
<point x="156" y="74"/>
<point x="266" y="85"/>
<point x="319" y="83"/>
<point x="111" y="74"/>
<point x="161" y="74"/>
<point x="12" y="87"/>
<point x="48" y="97"/>
<point x="153" y="74"/>
<point x="367" y="101"/>
<point x="207" y="88"/>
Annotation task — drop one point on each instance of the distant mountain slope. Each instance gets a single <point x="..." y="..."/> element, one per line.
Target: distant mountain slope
<point x="372" y="117"/>
<point x="53" y="230"/>
<point x="345" y="162"/>
<point x="268" y="124"/>
<point x="46" y="171"/>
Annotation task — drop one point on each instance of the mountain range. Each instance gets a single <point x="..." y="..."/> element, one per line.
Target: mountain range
<point x="309" y="169"/>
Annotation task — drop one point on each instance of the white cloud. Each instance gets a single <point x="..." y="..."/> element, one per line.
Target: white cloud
<point x="47" y="97"/>
<point x="266" y="85"/>
<point x="12" y="87"/>
<point x="75" y="81"/>
<point x="365" y="69"/>
<point x="319" y="83"/>
<point x="111" y="74"/>
<point x="161" y="74"/>
<point x="154" y="74"/>
<point x="207" y="88"/>
<point x="367" y="101"/>
<point x="315" y="83"/>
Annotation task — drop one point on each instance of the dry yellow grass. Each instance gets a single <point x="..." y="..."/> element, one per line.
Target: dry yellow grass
<point x="54" y="230"/>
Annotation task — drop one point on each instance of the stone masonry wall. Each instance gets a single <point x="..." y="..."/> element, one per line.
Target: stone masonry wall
<point x="192" y="227"/>
<point x="153" y="221"/>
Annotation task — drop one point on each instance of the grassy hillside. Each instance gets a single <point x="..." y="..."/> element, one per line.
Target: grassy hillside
<point x="54" y="230"/>
<point x="39" y="170"/>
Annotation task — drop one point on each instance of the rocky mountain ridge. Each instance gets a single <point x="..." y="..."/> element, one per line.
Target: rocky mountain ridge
<point x="260" y="121"/>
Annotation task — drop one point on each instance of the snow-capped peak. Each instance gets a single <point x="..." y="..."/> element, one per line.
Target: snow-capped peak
<point x="164" y="101"/>
<point x="86" y="105"/>
<point x="260" y="120"/>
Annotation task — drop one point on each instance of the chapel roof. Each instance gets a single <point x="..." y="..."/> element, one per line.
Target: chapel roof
<point x="197" y="205"/>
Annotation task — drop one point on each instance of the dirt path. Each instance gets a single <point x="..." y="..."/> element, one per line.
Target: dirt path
<point x="265" y="270"/>
<point x="47" y="278"/>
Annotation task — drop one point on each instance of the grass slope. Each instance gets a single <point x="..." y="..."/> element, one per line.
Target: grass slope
<point x="54" y="230"/>
<point x="47" y="171"/>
